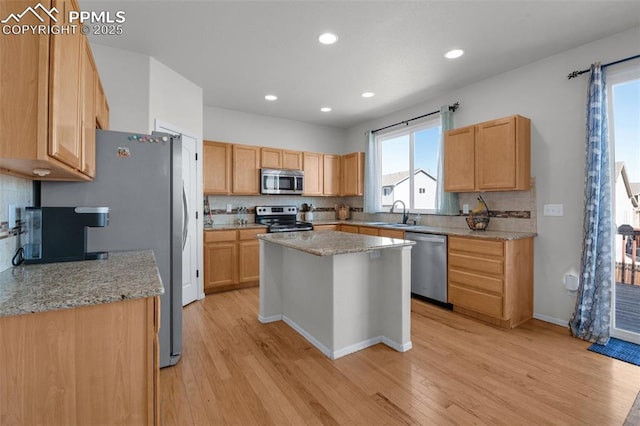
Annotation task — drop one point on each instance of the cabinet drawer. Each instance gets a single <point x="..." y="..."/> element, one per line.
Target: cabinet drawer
<point x="476" y="301"/>
<point x="391" y="233"/>
<point x="479" y="282"/>
<point x="325" y="227"/>
<point x="250" y="234"/>
<point x="349" y="228"/>
<point x="217" y="236"/>
<point x="365" y="230"/>
<point x="476" y="264"/>
<point x="477" y="245"/>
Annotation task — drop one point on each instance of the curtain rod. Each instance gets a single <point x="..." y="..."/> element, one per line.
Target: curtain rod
<point x="453" y="107"/>
<point x="577" y="73"/>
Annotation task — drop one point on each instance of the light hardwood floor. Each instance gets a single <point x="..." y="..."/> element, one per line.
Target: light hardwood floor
<point x="235" y="370"/>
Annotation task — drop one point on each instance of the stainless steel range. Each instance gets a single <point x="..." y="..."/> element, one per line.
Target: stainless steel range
<point x="281" y="219"/>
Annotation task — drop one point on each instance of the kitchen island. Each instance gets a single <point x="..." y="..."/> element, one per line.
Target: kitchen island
<point x="343" y="292"/>
<point x="79" y="342"/>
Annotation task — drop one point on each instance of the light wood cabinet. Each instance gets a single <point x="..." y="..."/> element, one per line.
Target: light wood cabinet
<point x="391" y="233"/>
<point x="352" y="178"/>
<point x="313" y="173"/>
<point x="102" y="106"/>
<point x="331" y="174"/>
<point x="88" y="116"/>
<point x="366" y="230"/>
<point x="216" y="160"/>
<point x="291" y="160"/>
<point x="89" y="365"/>
<point x="491" y="280"/>
<point x="246" y="170"/>
<point x="232" y="259"/>
<point x="44" y="88"/>
<point x="490" y="156"/>
<point x="371" y="230"/>
<point x="274" y="158"/>
<point x="348" y="228"/>
<point x="248" y="255"/>
<point x="271" y="158"/>
<point x="325" y="227"/>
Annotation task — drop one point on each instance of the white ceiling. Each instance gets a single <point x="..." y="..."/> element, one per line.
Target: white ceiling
<point x="239" y="51"/>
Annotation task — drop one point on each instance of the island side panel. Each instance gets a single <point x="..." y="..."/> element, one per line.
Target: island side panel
<point x="307" y="293"/>
<point x="394" y="283"/>
<point x="356" y="321"/>
<point x="271" y="273"/>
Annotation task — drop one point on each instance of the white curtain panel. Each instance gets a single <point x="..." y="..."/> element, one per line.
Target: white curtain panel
<point x="372" y="175"/>
<point x="446" y="202"/>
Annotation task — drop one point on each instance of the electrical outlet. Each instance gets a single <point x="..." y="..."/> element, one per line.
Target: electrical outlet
<point x="229" y="208"/>
<point x="465" y="208"/>
<point x="554" y="210"/>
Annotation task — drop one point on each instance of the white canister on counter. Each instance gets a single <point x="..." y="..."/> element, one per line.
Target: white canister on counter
<point x="308" y="216"/>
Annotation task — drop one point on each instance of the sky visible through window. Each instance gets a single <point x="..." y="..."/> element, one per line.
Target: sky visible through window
<point x="626" y="111"/>
<point x="396" y="152"/>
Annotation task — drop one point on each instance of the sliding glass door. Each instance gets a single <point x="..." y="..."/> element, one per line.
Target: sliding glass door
<point x="624" y="126"/>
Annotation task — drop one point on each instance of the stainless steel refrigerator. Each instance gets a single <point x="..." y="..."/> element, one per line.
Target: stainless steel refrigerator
<point x="139" y="177"/>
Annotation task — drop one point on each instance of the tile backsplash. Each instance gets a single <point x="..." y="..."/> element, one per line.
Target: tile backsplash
<point x="19" y="192"/>
<point x="510" y="210"/>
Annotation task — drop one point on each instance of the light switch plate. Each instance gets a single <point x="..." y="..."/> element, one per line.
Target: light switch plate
<point x="554" y="209"/>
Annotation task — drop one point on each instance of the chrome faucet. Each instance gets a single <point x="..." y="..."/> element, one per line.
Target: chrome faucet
<point x="405" y="215"/>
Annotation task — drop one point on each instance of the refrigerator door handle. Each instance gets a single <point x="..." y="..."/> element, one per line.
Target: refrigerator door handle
<point x="185" y="220"/>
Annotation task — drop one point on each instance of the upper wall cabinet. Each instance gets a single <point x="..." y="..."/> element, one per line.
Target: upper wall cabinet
<point x="490" y="156"/>
<point x="42" y="98"/>
<point x="331" y="174"/>
<point x="245" y="170"/>
<point x="216" y="158"/>
<point x="313" y="173"/>
<point x="353" y="174"/>
<point x="274" y="158"/>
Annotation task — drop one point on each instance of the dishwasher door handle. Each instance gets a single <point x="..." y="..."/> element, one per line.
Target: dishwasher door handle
<point x="426" y="238"/>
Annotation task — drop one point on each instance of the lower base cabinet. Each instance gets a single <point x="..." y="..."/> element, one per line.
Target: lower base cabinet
<point x="231" y="259"/>
<point x="491" y="280"/>
<point x="90" y="365"/>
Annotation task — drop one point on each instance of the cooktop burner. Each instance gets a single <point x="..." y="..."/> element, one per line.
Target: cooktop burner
<point x="281" y="219"/>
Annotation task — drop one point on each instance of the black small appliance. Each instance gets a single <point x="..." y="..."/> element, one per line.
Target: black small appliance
<point x="59" y="234"/>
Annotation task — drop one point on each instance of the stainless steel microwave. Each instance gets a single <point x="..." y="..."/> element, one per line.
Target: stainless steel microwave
<point x="275" y="181"/>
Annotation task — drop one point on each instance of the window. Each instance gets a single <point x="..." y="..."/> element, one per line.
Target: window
<point x="409" y="166"/>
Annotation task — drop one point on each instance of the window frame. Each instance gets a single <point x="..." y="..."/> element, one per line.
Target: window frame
<point x="408" y="130"/>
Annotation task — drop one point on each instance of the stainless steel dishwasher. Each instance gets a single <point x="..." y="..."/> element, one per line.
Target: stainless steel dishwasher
<point x="429" y="266"/>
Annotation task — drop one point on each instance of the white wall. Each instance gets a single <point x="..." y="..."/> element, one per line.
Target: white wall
<point x="556" y="107"/>
<point x="174" y="99"/>
<point x="253" y="129"/>
<point x="125" y="79"/>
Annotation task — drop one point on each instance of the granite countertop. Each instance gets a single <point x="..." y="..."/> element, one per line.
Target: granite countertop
<point x="441" y="230"/>
<point x="329" y="243"/>
<point x="52" y="286"/>
<point x="233" y="226"/>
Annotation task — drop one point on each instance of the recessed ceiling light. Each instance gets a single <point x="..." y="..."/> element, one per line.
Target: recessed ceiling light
<point x="455" y="53"/>
<point x="325" y="109"/>
<point x="368" y="94"/>
<point x="271" y="97"/>
<point x="327" y="38"/>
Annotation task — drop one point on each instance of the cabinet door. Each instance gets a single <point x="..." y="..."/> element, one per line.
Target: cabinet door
<point x="88" y="69"/>
<point x="292" y="160"/>
<point x="64" y="94"/>
<point x="391" y="233"/>
<point x="353" y="174"/>
<point x="459" y="160"/>
<point x="313" y="173"/>
<point x="102" y="106"/>
<point x="220" y="265"/>
<point x="248" y="261"/>
<point x="325" y="227"/>
<point x="496" y="154"/>
<point x="271" y="158"/>
<point x="331" y="174"/>
<point x="246" y="169"/>
<point x="216" y="158"/>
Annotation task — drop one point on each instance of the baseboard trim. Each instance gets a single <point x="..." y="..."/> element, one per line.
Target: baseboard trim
<point x="400" y="347"/>
<point x="315" y="342"/>
<point x="552" y="320"/>
<point x="272" y="318"/>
